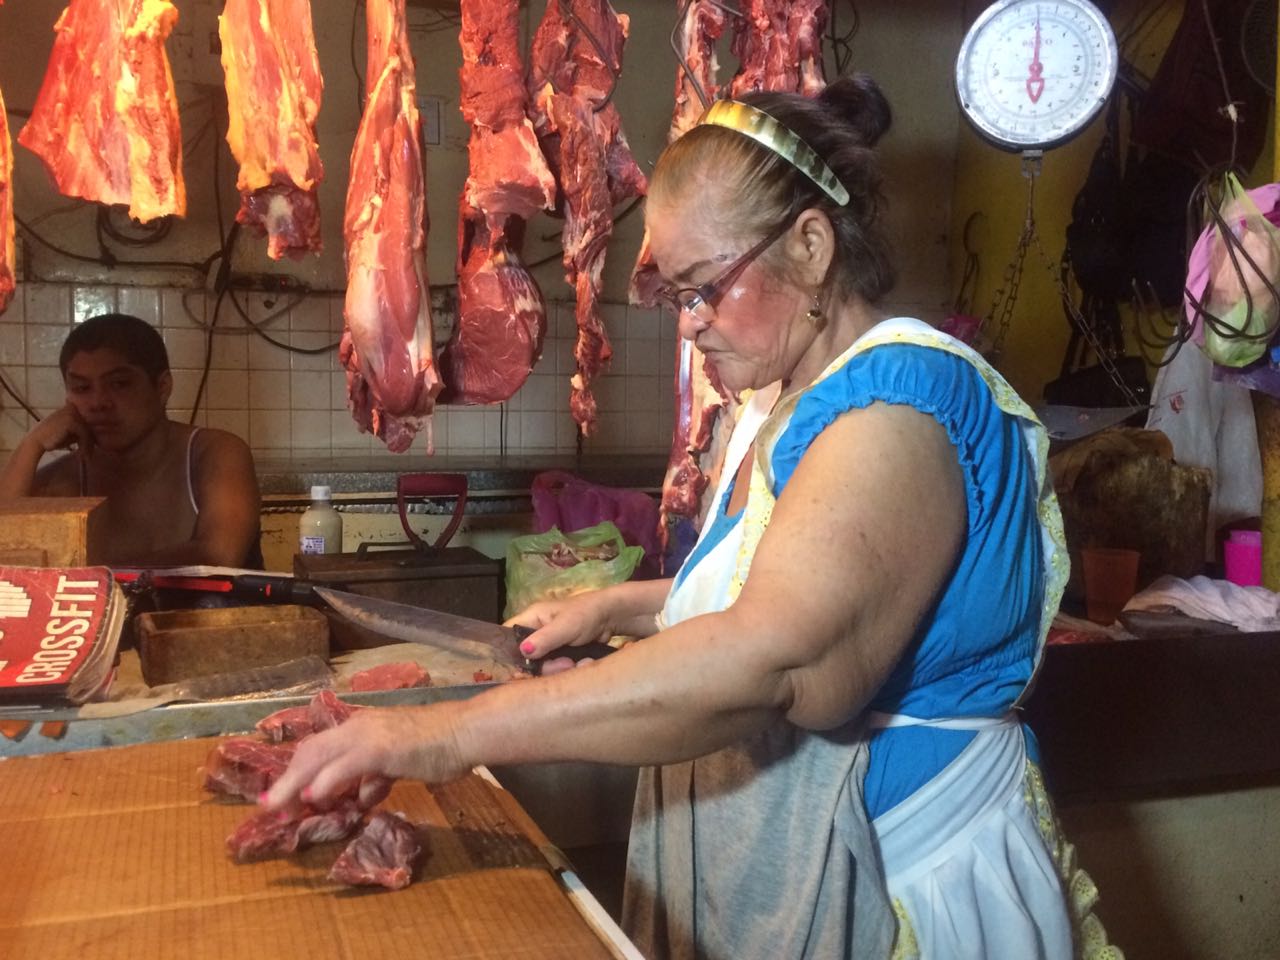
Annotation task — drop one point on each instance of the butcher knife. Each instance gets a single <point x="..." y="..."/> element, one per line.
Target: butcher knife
<point x="464" y="636"/>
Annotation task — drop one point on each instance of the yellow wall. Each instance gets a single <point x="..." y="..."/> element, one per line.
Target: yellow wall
<point x="990" y="181"/>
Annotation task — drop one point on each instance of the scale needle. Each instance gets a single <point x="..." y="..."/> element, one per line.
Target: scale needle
<point x="1035" y="80"/>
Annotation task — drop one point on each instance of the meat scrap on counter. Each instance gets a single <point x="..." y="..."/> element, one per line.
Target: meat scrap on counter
<point x="576" y="60"/>
<point x="391" y="676"/>
<point x="105" y="123"/>
<point x="273" y="98"/>
<point x="385" y="854"/>
<point x="502" y="317"/>
<point x="386" y="346"/>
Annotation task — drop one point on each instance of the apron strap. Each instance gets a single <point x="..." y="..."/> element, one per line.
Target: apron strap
<point x="882" y="721"/>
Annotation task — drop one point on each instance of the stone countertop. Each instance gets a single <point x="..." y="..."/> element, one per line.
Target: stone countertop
<point x="486" y="475"/>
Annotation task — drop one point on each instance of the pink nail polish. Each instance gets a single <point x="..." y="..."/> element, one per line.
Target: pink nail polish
<point x="306" y="794"/>
<point x="527" y="648"/>
<point x="262" y="798"/>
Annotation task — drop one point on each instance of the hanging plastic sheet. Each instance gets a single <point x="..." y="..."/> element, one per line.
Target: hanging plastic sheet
<point x="1231" y="297"/>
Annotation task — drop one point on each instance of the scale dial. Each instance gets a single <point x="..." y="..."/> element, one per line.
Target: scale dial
<point x="1032" y="73"/>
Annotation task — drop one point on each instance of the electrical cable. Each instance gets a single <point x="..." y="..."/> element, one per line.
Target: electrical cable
<point x="355" y="68"/>
<point x="107" y="259"/>
<point x="9" y="389"/>
<point x="842" y="43"/>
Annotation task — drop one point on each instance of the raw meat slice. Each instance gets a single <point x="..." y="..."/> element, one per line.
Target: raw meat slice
<point x="8" y="274"/>
<point x="291" y="723"/>
<point x="274" y="89"/>
<point x="391" y="676"/>
<point x="386" y="346"/>
<point x="327" y="710"/>
<point x="267" y="834"/>
<point x="243" y="767"/>
<point x="577" y="55"/>
<point x="502" y="317"/>
<point x="105" y="123"/>
<point x="384" y="854"/>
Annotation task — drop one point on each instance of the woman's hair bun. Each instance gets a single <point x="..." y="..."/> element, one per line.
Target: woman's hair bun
<point x="858" y="100"/>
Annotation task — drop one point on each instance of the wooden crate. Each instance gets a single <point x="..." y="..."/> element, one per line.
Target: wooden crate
<point x="176" y="645"/>
<point x="52" y="531"/>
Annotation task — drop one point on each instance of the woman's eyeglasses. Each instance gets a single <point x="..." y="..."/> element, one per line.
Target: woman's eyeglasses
<point x="707" y="296"/>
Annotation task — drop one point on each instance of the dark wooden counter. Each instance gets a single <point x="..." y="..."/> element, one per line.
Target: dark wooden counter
<point x="1158" y="716"/>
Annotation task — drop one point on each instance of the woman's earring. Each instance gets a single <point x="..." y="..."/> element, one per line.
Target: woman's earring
<point x="815" y="315"/>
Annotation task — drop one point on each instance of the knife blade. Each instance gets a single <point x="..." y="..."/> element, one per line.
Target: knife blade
<point x="457" y="634"/>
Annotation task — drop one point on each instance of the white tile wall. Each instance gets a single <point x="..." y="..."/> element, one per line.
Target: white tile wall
<point x="295" y="404"/>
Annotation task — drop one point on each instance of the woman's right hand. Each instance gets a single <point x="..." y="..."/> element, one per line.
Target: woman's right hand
<point x="570" y="622"/>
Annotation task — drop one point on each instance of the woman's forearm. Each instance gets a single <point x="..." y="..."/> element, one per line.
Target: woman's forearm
<point x="680" y="694"/>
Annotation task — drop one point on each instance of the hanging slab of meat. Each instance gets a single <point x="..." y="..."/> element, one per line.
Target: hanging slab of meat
<point x="502" y="317"/>
<point x="779" y="46"/>
<point x="8" y="274"/>
<point x="383" y="855"/>
<point x="386" y="346"/>
<point x="274" y="89"/>
<point x="105" y="123"/>
<point x="577" y="55"/>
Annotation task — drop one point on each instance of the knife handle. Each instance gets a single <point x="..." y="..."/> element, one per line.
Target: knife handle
<point x="582" y="652"/>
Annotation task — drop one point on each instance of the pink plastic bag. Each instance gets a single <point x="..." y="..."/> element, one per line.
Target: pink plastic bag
<point x="570" y="503"/>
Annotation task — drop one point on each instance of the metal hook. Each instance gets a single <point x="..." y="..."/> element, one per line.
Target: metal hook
<point x="675" y="45"/>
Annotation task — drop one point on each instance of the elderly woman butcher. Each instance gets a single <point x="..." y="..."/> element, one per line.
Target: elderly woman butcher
<point x="823" y="697"/>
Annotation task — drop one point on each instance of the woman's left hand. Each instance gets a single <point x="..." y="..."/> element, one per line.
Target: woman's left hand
<point x="417" y="743"/>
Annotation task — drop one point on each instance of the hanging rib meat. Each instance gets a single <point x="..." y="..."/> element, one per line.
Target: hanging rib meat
<point x="502" y="317"/>
<point x="273" y="97"/>
<point x="577" y="54"/>
<point x="701" y="24"/>
<point x="386" y="346"/>
<point x="8" y="275"/>
<point x="105" y="123"/>
<point x="779" y="46"/>
<point x="779" y="43"/>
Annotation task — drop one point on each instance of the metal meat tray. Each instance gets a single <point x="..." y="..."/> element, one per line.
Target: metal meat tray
<point x="183" y="721"/>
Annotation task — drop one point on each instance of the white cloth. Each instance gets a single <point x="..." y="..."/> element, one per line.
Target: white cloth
<point x="1210" y="425"/>
<point x="1252" y="609"/>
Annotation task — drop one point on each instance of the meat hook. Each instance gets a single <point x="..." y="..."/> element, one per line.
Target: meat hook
<point x="675" y="46"/>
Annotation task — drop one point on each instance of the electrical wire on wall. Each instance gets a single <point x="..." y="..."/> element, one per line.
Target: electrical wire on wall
<point x="842" y="41"/>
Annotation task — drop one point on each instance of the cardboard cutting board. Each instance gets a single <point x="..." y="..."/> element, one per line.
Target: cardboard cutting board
<point x="119" y="854"/>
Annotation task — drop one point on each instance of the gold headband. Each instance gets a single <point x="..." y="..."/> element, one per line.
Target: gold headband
<point x="773" y="136"/>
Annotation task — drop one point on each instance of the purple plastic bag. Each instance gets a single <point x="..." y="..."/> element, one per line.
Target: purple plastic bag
<point x="567" y="501"/>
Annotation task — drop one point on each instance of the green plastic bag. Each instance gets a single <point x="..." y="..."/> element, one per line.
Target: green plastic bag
<point x="552" y="565"/>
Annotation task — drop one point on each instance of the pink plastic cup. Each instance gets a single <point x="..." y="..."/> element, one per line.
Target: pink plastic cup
<point x="1242" y="557"/>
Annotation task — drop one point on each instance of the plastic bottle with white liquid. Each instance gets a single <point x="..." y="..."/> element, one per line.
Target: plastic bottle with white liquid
<point x="320" y="529"/>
